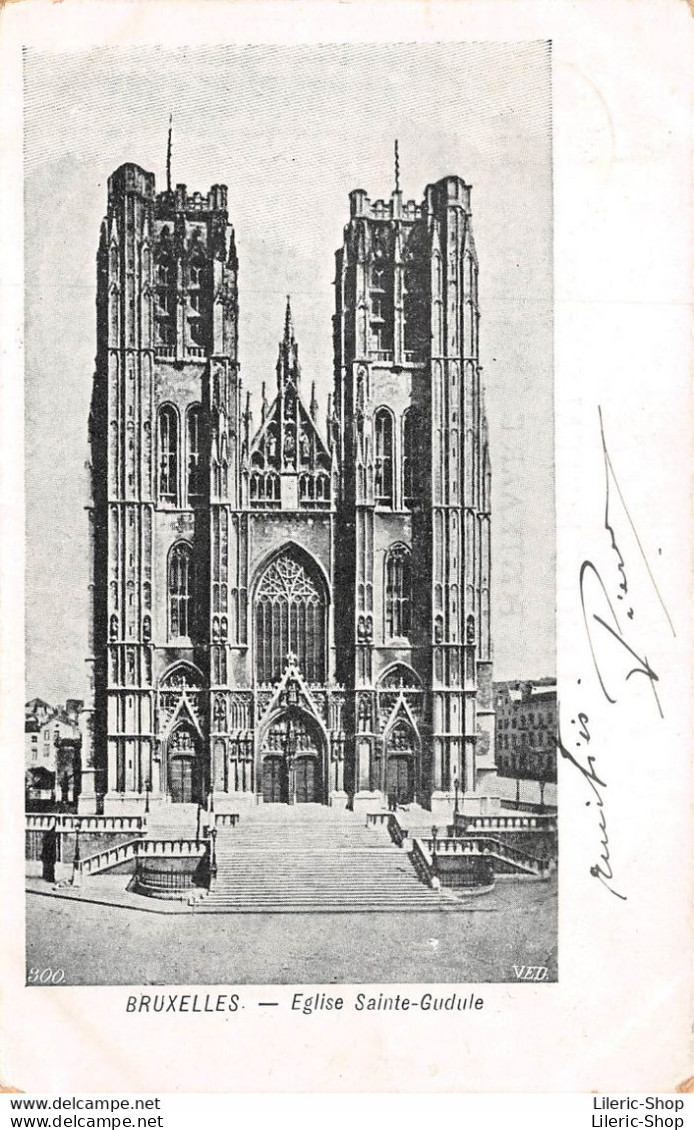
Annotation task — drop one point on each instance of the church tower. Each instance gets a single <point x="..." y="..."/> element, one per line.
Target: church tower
<point x="413" y="513"/>
<point x="164" y="424"/>
<point x="282" y="615"/>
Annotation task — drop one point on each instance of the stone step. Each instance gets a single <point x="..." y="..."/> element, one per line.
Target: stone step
<point x="397" y="906"/>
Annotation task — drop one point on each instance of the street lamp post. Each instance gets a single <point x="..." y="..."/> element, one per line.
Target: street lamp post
<point x="213" y="853"/>
<point x="456" y="786"/>
<point x="76" y="869"/>
<point x="434" y="834"/>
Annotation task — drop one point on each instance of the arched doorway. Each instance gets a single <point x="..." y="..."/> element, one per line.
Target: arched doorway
<point x="401" y="761"/>
<point x="291" y="761"/>
<point x="184" y="767"/>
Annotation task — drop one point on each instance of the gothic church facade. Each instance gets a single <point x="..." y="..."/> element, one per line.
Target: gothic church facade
<point x="296" y="612"/>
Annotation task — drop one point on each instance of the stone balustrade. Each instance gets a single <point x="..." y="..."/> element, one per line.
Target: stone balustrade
<point x="171" y="848"/>
<point x="485" y="845"/>
<point x="505" y="823"/>
<point x="226" y="819"/>
<point x="423" y="863"/>
<point x="59" y="822"/>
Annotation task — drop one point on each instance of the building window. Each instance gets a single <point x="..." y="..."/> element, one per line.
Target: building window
<point x="180" y="587"/>
<point x="195" y="275"/>
<point x="290" y="620"/>
<point x="398" y="586"/>
<point x="195" y="491"/>
<point x="164" y="302"/>
<point x="383" y="485"/>
<point x="378" y="278"/>
<point x="195" y="302"/>
<point x="409" y="471"/>
<point x="168" y="454"/>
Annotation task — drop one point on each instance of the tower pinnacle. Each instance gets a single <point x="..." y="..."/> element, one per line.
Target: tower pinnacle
<point x="397" y="166"/>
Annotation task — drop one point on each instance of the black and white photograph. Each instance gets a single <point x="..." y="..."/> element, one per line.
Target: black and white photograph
<point x="345" y="597"/>
<point x="290" y="515"/>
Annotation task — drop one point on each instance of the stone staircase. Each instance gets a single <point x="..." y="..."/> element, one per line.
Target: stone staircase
<point x="293" y="860"/>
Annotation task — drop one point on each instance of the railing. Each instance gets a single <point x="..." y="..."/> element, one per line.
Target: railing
<point x="505" y="823"/>
<point x="486" y="845"/>
<point x="100" y="823"/>
<point x="35" y="823"/>
<point x="73" y="823"/>
<point x="103" y="860"/>
<point x="175" y="848"/>
<point x="424" y="864"/>
<point x="166" y="351"/>
<point x="397" y="833"/>
<point x="136" y="849"/>
<point x="382" y="354"/>
<point x="226" y="819"/>
<point x="378" y="817"/>
<point x="195" y="351"/>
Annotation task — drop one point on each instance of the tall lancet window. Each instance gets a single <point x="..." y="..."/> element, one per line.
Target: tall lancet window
<point x="409" y="469"/>
<point x="290" y="620"/>
<point x="195" y="486"/>
<point x="383" y="477"/>
<point x="398" y="586"/>
<point x="180" y="588"/>
<point x="168" y="454"/>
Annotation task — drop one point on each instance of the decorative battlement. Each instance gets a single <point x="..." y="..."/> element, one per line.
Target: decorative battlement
<point x="180" y="200"/>
<point x="131" y="179"/>
<point x="394" y="209"/>
<point x="445" y="192"/>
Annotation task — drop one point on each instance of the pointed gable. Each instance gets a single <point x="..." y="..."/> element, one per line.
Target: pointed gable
<point x="290" y="462"/>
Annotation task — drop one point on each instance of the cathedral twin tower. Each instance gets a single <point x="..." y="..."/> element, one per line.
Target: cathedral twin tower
<point x="291" y="613"/>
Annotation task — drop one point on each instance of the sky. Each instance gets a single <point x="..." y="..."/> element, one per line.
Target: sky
<point x="291" y="131"/>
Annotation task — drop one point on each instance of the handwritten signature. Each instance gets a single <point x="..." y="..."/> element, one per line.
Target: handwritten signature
<point x="616" y="658"/>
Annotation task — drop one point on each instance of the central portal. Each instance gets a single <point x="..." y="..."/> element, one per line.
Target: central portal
<point x="292" y="761"/>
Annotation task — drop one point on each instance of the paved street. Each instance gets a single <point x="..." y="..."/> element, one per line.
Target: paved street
<point x="111" y="945"/>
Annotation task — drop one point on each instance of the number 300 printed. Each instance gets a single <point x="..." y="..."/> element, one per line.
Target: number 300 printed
<point x="37" y="976"/>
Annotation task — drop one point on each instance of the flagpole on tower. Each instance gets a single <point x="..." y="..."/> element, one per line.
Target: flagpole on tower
<point x="168" y="155"/>
<point x="397" y="166"/>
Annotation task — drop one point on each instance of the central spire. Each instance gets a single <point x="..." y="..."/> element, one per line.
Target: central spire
<point x="288" y="370"/>
<point x="288" y="322"/>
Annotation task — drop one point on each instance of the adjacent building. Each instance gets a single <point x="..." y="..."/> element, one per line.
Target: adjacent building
<point x="527" y="728"/>
<point x="52" y="744"/>
<point x="291" y="611"/>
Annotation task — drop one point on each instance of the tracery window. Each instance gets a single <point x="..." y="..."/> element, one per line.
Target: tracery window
<point x="180" y="590"/>
<point x="398" y="586"/>
<point x="409" y="472"/>
<point x="168" y="454"/>
<point x="383" y="482"/>
<point x="195" y="491"/>
<point x="290" y="619"/>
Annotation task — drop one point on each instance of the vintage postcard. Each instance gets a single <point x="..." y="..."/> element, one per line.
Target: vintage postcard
<point x="354" y="385"/>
